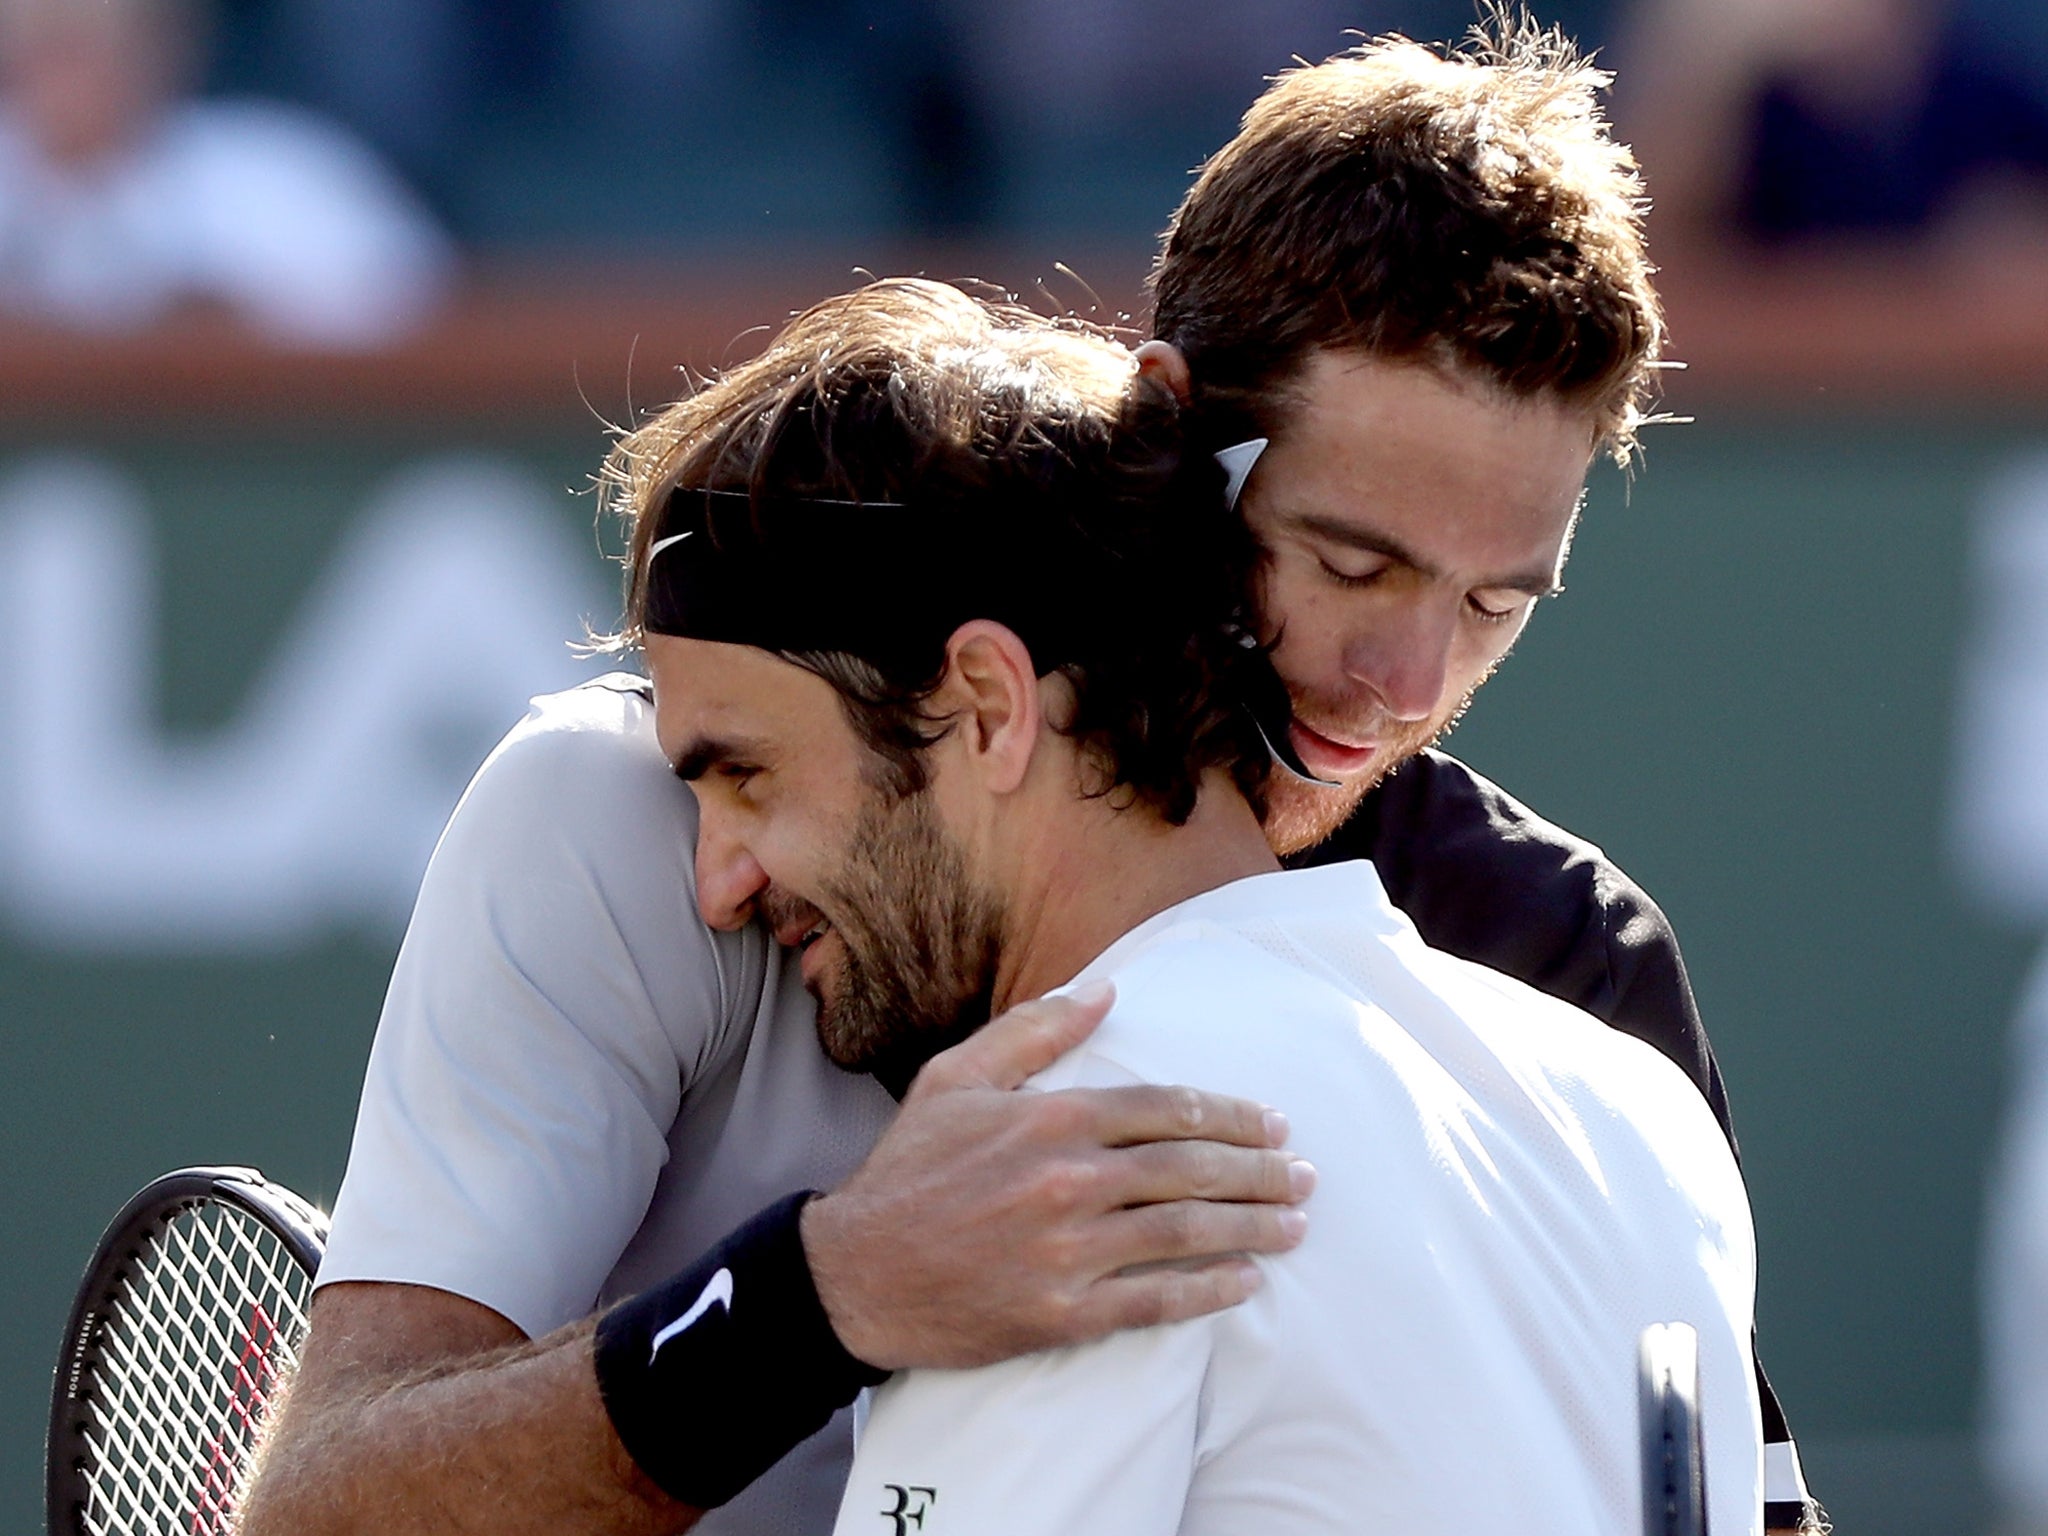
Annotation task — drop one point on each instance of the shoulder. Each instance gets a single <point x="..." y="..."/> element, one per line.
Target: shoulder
<point x="1486" y="878"/>
<point x="612" y="704"/>
<point x="575" y="844"/>
<point x="1313" y="975"/>
<point x="1437" y="822"/>
<point x="1205" y="993"/>
<point x="555" y="1000"/>
<point x="588" y="752"/>
<point x="1483" y="876"/>
<point x="285" y="182"/>
<point x="579" y="776"/>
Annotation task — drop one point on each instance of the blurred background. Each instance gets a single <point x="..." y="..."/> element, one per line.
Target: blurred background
<point x="315" y="316"/>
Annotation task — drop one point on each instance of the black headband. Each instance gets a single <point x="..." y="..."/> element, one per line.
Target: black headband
<point x="882" y="580"/>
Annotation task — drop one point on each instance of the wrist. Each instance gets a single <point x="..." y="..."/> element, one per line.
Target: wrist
<point x="834" y="1279"/>
<point x="713" y="1376"/>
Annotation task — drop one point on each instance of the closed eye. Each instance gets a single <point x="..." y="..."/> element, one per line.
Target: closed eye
<point x="725" y="760"/>
<point x="1495" y="605"/>
<point x="1351" y="579"/>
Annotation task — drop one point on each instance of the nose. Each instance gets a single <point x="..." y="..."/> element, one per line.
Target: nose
<point x="728" y="878"/>
<point x="1404" y="656"/>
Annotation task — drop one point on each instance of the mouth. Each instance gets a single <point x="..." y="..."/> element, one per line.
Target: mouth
<point x="1328" y="757"/>
<point x="805" y="942"/>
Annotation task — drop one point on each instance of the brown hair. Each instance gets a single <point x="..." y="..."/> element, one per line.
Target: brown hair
<point x="1465" y="208"/>
<point x="1048" y="453"/>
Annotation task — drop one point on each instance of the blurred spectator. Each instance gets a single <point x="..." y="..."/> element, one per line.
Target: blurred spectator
<point x="914" y="83"/>
<point x="467" y="93"/>
<point x="1054" y="64"/>
<point x="852" y="120"/>
<point x="2001" y="826"/>
<point x="120" y="199"/>
<point x="1830" y="122"/>
<point x="2016" y="1285"/>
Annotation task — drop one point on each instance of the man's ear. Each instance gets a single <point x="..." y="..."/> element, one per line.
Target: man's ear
<point x="1163" y="362"/>
<point x="990" y="695"/>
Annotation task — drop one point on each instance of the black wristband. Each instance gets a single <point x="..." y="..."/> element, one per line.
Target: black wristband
<point x="714" y="1376"/>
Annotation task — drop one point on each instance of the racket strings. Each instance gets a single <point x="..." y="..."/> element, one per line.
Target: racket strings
<point x="193" y="1346"/>
<point x="161" y="1350"/>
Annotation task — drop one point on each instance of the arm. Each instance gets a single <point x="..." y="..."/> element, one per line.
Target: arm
<point x="410" y="1414"/>
<point x="416" y="1410"/>
<point x="987" y="1224"/>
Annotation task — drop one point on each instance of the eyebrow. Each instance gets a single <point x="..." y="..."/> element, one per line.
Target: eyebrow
<point x="1372" y="542"/>
<point x="705" y="753"/>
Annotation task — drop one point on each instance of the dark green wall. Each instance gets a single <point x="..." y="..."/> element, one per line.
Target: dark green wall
<point x="118" y="1065"/>
<point x="1745" y="695"/>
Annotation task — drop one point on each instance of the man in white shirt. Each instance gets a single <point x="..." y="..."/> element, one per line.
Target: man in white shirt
<point x="1510" y="1194"/>
<point x="577" y="1087"/>
<point x="935" y="605"/>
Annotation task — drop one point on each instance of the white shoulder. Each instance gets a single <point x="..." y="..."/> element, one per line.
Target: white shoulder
<point x="1186" y="1003"/>
<point x="284" y="146"/>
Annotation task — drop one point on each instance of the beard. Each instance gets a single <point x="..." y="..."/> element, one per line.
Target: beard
<point x="1300" y="814"/>
<point x="918" y="941"/>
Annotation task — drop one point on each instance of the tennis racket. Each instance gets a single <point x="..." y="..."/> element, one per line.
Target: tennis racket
<point x="1674" y="1459"/>
<point x="190" y="1316"/>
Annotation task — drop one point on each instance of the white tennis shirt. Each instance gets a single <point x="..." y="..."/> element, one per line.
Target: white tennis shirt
<point x="1510" y="1191"/>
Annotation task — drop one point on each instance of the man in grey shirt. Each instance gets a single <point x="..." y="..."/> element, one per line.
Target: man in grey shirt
<point x="1430" y="428"/>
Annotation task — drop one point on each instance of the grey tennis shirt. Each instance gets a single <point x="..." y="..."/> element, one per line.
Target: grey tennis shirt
<point x="576" y="1086"/>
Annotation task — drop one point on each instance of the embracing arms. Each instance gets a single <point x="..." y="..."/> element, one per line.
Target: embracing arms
<point x="985" y="1224"/>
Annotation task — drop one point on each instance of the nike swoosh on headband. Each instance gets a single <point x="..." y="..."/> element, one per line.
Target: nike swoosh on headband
<point x="1237" y="461"/>
<point x="674" y="538"/>
<point x="718" y="1292"/>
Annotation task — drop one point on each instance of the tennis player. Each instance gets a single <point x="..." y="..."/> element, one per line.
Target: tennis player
<point x="950" y="659"/>
<point x="578" y="1087"/>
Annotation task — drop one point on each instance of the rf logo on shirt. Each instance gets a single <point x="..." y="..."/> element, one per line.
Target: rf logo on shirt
<point x="913" y="1503"/>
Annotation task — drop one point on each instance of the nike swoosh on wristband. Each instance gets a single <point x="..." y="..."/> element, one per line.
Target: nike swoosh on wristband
<point x="718" y="1291"/>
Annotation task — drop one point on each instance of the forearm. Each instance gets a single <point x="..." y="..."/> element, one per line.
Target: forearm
<point x="416" y="1409"/>
<point x="506" y="1444"/>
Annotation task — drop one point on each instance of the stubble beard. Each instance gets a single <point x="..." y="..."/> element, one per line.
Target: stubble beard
<point x="919" y="942"/>
<point x="1300" y="814"/>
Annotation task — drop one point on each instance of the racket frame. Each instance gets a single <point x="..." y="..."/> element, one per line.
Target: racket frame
<point x="300" y="1229"/>
<point x="1673" y="1442"/>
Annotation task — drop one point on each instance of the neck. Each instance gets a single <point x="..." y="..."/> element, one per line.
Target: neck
<point x="1098" y="874"/>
